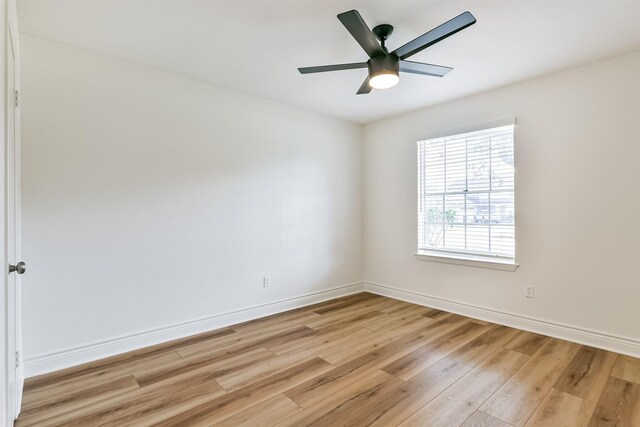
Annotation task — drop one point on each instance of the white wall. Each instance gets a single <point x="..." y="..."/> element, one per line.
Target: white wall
<point x="577" y="199"/>
<point x="151" y="200"/>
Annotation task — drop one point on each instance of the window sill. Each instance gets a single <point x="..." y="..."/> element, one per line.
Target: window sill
<point x="479" y="262"/>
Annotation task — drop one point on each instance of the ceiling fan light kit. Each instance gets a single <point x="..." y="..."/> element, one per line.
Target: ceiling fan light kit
<point x="385" y="67"/>
<point x="384" y="71"/>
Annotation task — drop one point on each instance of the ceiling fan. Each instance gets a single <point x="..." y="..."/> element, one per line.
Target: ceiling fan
<point x="384" y="67"/>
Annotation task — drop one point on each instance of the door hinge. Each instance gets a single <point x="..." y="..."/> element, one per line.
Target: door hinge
<point x="17" y="359"/>
<point x="16" y="98"/>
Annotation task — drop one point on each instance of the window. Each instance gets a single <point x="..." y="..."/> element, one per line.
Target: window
<point x="466" y="196"/>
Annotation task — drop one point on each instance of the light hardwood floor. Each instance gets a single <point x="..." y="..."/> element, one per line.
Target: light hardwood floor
<point x="358" y="360"/>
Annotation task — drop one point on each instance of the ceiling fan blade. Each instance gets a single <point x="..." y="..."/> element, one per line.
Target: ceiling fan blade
<point x="365" y="88"/>
<point x="336" y="67"/>
<point x="361" y="32"/>
<point x="439" y="33"/>
<point x="424" y="69"/>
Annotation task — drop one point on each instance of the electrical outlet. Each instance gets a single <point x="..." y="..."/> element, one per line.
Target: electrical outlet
<point x="266" y="282"/>
<point x="529" y="291"/>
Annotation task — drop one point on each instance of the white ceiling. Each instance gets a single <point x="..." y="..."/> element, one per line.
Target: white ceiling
<point x="256" y="46"/>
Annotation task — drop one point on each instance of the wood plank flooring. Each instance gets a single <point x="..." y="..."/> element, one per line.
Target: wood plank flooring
<point x="358" y="360"/>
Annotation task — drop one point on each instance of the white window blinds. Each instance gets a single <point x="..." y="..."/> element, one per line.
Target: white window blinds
<point x="466" y="194"/>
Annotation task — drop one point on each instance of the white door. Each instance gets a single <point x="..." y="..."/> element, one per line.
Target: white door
<point x="16" y="267"/>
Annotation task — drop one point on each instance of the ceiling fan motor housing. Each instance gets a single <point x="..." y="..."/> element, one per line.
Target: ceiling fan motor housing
<point x="383" y="64"/>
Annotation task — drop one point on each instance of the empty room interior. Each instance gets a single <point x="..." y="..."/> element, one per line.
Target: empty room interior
<point x="327" y="213"/>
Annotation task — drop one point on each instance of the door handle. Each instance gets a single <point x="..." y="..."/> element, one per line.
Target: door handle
<point x="19" y="268"/>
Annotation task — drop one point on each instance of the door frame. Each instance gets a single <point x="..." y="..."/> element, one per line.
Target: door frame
<point x="10" y="378"/>
<point x="5" y="415"/>
<point x="14" y="254"/>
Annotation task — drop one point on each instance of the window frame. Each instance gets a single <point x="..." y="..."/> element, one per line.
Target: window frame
<point x="462" y="257"/>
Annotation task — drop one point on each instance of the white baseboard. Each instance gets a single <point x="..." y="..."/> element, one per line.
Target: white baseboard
<point x="98" y="350"/>
<point x="618" y="344"/>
